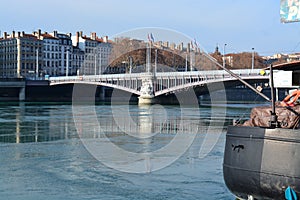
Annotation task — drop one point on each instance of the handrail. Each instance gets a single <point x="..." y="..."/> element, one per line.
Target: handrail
<point x="248" y="72"/>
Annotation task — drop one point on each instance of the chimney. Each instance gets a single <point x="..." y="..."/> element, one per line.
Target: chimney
<point x="13" y="34"/>
<point x="5" y="35"/>
<point x="188" y="49"/>
<point x="80" y="33"/>
<point x="105" y="39"/>
<point x="22" y="34"/>
<point x="39" y="33"/>
<point x="93" y="36"/>
<point x="19" y="34"/>
<point x="55" y="34"/>
<point x="77" y="38"/>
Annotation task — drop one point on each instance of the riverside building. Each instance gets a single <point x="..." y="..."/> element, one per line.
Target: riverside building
<point x="51" y="54"/>
<point x="58" y="54"/>
<point x="35" y="55"/>
<point x="96" y="52"/>
<point x="19" y="53"/>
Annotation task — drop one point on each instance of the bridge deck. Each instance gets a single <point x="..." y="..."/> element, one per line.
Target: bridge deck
<point x="161" y="82"/>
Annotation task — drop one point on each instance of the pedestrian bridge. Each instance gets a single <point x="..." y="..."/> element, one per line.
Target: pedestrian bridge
<point x="150" y="85"/>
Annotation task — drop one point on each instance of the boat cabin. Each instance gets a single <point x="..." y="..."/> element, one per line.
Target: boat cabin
<point x="287" y="75"/>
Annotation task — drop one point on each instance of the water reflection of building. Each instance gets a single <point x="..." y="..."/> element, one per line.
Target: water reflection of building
<point x="36" y="123"/>
<point x="32" y="124"/>
<point x="61" y="125"/>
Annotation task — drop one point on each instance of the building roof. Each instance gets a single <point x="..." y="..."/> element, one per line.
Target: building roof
<point x="25" y="35"/>
<point x="48" y="36"/>
<point x="98" y="39"/>
<point x="87" y="38"/>
<point x="288" y="66"/>
<point x="19" y="35"/>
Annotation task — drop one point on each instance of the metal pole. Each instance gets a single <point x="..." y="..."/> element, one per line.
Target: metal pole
<point x="37" y="63"/>
<point x="224" y="59"/>
<point x="237" y="77"/>
<point x="148" y="58"/>
<point x="155" y="70"/>
<point x="252" y="59"/>
<point x="186" y="62"/>
<point x="2" y="57"/>
<point x="100" y="66"/>
<point x="149" y="64"/>
<point x="272" y="88"/>
<point x="130" y="64"/>
<point x="273" y="123"/>
<point x="67" y="64"/>
<point x="191" y="61"/>
<point x="95" y="55"/>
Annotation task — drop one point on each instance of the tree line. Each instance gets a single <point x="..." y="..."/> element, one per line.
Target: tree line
<point x="127" y="51"/>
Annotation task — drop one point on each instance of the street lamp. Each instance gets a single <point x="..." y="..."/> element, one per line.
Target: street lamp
<point x="67" y="62"/>
<point x="100" y="66"/>
<point x="224" y="60"/>
<point x="186" y="61"/>
<point x="252" y="58"/>
<point x="37" y="63"/>
<point x="155" y="66"/>
<point x="130" y="64"/>
<point x="95" y="57"/>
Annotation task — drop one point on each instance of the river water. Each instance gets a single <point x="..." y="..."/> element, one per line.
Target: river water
<point x="56" y="151"/>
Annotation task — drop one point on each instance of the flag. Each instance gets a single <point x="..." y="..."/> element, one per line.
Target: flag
<point x="192" y="45"/>
<point x="150" y="37"/>
<point x="195" y="43"/>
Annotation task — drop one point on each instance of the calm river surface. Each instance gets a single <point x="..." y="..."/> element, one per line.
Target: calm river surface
<point x="53" y="151"/>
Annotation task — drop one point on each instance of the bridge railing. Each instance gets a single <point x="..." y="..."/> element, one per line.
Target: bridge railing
<point x="165" y="81"/>
<point x="140" y="75"/>
<point x="122" y="79"/>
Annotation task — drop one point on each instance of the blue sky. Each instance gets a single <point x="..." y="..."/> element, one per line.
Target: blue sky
<point x="241" y="24"/>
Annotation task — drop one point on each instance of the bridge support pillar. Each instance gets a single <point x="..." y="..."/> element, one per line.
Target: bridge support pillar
<point x="102" y="93"/>
<point x="147" y="91"/>
<point x="22" y="94"/>
<point x="146" y="101"/>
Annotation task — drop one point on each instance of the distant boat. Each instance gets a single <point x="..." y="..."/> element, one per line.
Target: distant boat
<point x="262" y="161"/>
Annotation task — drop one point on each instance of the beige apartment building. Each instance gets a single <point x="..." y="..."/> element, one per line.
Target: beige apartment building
<point x="19" y="55"/>
<point x="32" y="56"/>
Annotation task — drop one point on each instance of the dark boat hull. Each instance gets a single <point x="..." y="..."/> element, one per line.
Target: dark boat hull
<point x="261" y="162"/>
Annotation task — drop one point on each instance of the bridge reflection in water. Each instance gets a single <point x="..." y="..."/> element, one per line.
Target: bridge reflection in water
<point x="142" y="139"/>
<point x="143" y="122"/>
<point x="41" y="123"/>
